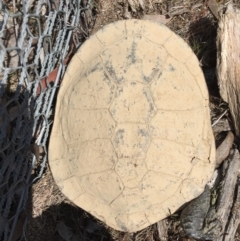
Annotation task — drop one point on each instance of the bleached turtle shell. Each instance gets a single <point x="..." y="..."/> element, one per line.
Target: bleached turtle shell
<point x="131" y="140"/>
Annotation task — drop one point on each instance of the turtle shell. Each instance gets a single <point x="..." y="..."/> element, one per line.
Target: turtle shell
<point x="132" y="140"/>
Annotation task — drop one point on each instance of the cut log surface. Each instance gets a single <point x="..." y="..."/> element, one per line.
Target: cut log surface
<point x="228" y="61"/>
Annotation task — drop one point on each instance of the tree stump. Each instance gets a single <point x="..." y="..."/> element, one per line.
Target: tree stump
<point x="228" y="74"/>
<point x="228" y="61"/>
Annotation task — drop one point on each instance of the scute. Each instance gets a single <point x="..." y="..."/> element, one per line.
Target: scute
<point x="137" y="220"/>
<point x="60" y="170"/>
<point x="155" y="185"/>
<point x="162" y="155"/>
<point x="104" y="186"/>
<point x="71" y="187"/>
<point x="155" y="213"/>
<point x="180" y="84"/>
<point x="86" y="122"/>
<point x="86" y="201"/>
<point x="133" y="61"/>
<point x="130" y="201"/>
<point x="115" y="33"/>
<point x="87" y="53"/>
<point x="93" y="90"/>
<point x="90" y="151"/>
<point x="201" y="171"/>
<point x="133" y="103"/>
<point x="177" y="48"/>
<point x="157" y="37"/>
<point x="166" y="125"/>
<point x="131" y="171"/>
<point x="131" y="138"/>
<point x="172" y="204"/>
<point x="190" y="189"/>
<point x="133" y="28"/>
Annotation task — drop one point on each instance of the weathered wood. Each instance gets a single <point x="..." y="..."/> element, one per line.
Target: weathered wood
<point x="162" y="230"/>
<point x="226" y="200"/>
<point x="228" y="61"/>
<point x="234" y="218"/>
<point x="224" y="149"/>
<point x="228" y="73"/>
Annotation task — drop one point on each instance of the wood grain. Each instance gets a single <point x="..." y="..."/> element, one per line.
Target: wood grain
<point x="228" y="61"/>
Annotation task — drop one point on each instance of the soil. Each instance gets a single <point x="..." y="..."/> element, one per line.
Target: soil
<point x="51" y="215"/>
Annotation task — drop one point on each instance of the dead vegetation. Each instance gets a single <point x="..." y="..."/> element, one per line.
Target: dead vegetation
<point x="51" y="215"/>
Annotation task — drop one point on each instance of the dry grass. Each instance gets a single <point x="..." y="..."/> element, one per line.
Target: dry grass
<point x="48" y="206"/>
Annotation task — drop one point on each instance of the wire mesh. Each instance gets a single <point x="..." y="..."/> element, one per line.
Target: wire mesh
<point x="37" y="40"/>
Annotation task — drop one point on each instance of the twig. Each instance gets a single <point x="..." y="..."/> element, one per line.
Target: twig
<point x="197" y="5"/>
<point x="219" y="118"/>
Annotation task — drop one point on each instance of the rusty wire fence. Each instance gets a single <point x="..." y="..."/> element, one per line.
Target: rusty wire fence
<point x="37" y="39"/>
